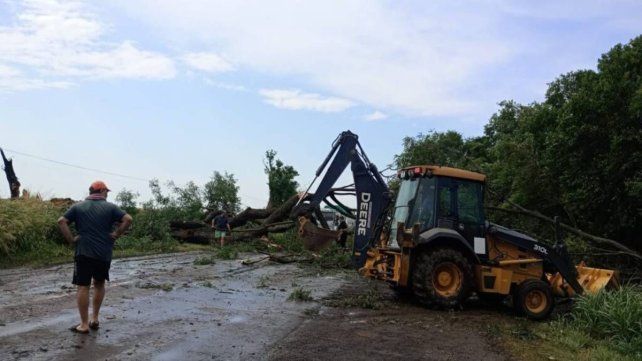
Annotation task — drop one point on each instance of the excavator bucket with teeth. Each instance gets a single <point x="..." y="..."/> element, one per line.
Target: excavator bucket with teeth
<point x="591" y="279"/>
<point x="313" y="237"/>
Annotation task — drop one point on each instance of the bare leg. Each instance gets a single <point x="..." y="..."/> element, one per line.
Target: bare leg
<point x="99" y="295"/>
<point x="83" y="307"/>
<point x="222" y="241"/>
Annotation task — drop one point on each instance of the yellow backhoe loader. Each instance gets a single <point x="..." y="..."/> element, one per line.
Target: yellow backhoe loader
<point x="434" y="240"/>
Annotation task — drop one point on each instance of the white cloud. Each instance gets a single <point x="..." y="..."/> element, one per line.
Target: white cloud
<point x="226" y="86"/>
<point x="8" y="72"/>
<point x="12" y="79"/>
<point x="207" y="62"/>
<point x="297" y="100"/>
<point x="425" y="58"/>
<point x="56" y="43"/>
<point x="376" y="115"/>
<point x="11" y="84"/>
<point x="381" y="54"/>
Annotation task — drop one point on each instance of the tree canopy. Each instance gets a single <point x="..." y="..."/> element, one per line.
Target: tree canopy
<point x="577" y="154"/>
<point x="280" y="179"/>
<point x="221" y="193"/>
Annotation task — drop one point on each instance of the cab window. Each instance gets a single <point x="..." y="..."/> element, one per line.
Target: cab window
<point x="469" y="202"/>
<point x="445" y="202"/>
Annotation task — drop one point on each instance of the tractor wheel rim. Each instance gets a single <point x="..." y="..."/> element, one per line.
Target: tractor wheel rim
<point x="447" y="279"/>
<point x="536" y="301"/>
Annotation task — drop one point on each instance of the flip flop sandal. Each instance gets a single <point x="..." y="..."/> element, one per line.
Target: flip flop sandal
<point x="75" y="329"/>
<point x="94" y="325"/>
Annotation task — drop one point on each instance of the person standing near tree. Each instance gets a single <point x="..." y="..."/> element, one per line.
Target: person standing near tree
<point x="221" y="225"/>
<point x="94" y="219"/>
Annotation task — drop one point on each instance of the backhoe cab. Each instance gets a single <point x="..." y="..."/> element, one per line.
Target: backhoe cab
<point x="435" y="241"/>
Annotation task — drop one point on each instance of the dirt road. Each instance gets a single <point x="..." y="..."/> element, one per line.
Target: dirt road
<point x="167" y="308"/>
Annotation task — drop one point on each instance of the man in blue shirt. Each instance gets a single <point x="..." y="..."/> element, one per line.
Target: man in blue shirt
<point x="94" y="219"/>
<point x="221" y="225"/>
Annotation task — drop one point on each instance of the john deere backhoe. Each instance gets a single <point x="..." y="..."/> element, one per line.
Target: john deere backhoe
<point x="434" y="239"/>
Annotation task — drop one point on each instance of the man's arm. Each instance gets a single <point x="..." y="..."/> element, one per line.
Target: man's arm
<point x="63" y="224"/>
<point x="125" y="222"/>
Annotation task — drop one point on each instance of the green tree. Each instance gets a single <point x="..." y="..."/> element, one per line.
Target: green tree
<point x="126" y="199"/>
<point x="280" y="179"/>
<point x="435" y="148"/>
<point x="157" y="193"/>
<point x="188" y="199"/>
<point x="221" y="192"/>
<point x="577" y="154"/>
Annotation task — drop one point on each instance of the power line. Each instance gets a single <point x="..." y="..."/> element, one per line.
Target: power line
<point x="76" y="166"/>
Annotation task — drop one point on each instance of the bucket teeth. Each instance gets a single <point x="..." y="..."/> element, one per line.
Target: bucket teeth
<point x="313" y="237"/>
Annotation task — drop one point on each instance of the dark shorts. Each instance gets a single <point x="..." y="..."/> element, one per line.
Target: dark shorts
<point x="86" y="268"/>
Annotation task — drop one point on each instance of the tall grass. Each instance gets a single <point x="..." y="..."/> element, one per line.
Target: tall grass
<point x="28" y="225"/>
<point x="29" y="233"/>
<point x="612" y="315"/>
<point x="605" y="326"/>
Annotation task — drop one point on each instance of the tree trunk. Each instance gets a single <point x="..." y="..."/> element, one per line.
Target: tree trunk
<point x="14" y="184"/>
<point x="269" y="221"/>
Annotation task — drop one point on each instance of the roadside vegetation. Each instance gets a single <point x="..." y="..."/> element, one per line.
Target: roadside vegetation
<point x="606" y="326"/>
<point x="300" y="294"/>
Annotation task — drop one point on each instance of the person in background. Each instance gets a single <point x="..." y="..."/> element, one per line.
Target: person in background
<point x="94" y="219"/>
<point x="343" y="235"/>
<point x="221" y="225"/>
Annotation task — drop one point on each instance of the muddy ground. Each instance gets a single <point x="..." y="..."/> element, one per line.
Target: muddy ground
<point x="167" y="308"/>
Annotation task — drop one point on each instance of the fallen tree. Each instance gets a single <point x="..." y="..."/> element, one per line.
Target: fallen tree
<point x="251" y="223"/>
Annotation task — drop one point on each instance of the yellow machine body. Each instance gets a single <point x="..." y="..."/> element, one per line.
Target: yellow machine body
<point x="510" y="267"/>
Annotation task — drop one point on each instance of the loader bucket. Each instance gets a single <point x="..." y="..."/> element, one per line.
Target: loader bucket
<point x="591" y="279"/>
<point x="313" y="237"/>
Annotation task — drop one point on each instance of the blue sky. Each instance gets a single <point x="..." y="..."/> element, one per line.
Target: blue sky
<point x="176" y="90"/>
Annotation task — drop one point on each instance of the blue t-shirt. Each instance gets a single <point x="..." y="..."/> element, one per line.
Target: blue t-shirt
<point x="94" y="221"/>
<point x="220" y="222"/>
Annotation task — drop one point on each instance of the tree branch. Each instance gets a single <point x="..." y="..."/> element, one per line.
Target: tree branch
<point x="521" y="210"/>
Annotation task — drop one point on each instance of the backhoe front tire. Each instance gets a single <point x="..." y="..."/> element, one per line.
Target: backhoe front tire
<point x="534" y="299"/>
<point x="442" y="277"/>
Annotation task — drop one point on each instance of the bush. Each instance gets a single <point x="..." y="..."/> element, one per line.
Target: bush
<point x="227" y="252"/>
<point x="152" y="223"/>
<point x="289" y="241"/>
<point x="300" y="294"/>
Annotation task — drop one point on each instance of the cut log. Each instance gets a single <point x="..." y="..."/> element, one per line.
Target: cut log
<point x="186" y="225"/>
<point x="249" y="215"/>
<point x="283" y="212"/>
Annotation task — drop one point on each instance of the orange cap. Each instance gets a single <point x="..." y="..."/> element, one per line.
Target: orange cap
<point x="99" y="186"/>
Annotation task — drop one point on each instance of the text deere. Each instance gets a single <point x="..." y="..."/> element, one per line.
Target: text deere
<point x="364" y="214"/>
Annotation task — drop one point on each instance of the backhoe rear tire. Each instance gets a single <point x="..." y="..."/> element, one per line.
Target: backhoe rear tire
<point x="442" y="278"/>
<point x="534" y="299"/>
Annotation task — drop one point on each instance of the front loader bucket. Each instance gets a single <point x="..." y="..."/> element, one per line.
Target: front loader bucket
<point x="313" y="237"/>
<point x="591" y="279"/>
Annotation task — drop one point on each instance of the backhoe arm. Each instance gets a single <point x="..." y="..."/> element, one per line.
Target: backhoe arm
<point x="373" y="195"/>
